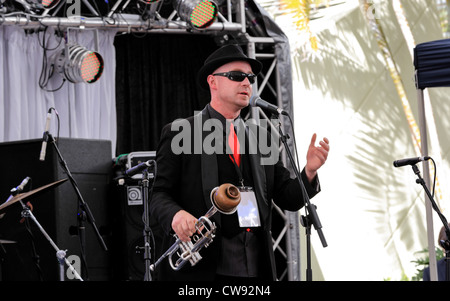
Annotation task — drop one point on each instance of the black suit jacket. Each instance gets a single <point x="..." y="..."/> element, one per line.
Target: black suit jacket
<point x="185" y="180"/>
<point x="441" y="271"/>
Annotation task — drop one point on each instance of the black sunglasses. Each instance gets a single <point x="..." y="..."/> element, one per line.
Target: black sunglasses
<point x="238" y="76"/>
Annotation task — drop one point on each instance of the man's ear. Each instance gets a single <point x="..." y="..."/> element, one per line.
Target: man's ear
<point x="211" y="79"/>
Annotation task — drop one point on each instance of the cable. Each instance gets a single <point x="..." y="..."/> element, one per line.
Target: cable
<point x="434" y="182"/>
<point x="59" y="125"/>
<point x="46" y="72"/>
<point x="295" y="143"/>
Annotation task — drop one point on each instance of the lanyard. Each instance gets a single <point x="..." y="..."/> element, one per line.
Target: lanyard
<point x="236" y="167"/>
<point x="238" y="171"/>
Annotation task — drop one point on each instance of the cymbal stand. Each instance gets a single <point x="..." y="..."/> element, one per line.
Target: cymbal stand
<point x="34" y="253"/>
<point x="60" y="254"/>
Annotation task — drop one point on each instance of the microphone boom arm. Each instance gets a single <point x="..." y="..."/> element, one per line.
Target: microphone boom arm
<point x="83" y="205"/>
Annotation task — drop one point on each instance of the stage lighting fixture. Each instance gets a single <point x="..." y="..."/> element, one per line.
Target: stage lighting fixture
<point x="48" y="4"/>
<point x="78" y="64"/>
<point x="197" y="13"/>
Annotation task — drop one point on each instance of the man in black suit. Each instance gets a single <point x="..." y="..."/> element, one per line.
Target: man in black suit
<point x="193" y="157"/>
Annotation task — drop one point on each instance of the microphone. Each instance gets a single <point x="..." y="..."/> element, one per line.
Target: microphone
<point x="21" y="186"/>
<point x="45" y="137"/>
<point x="18" y="189"/>
<point x="256" y="101"/>
<point x="138" y="168"/>
<point x="409" y="161"/>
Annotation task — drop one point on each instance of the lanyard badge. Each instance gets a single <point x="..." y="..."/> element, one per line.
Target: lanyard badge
<point x="247" y="209"/>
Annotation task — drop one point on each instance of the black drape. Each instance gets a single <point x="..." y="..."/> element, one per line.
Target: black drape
<point x="156" y="84"/>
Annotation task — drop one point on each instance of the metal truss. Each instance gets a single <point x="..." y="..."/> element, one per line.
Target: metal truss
<point x="134" y="17"/>
<point x="290" y="231"/>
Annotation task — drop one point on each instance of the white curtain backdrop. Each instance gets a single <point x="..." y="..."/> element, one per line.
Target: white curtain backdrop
<point x="85" y="110"/>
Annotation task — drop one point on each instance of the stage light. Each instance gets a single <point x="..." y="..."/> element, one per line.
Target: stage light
<point x="78" y="64"/>
<point x="48" y="4"/>
<point x="197" y="13"/>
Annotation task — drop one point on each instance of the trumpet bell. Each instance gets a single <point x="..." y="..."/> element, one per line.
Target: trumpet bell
<point x="226" y="198"/>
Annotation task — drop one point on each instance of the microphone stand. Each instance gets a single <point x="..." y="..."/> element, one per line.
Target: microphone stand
<point x="444" y="243"/>
<point x="305" y="221"/>
<point x="146" y="233"/>
<point x="85" y="213"/>
<point x="311" y="214"/>
<point x="144" y="168"/>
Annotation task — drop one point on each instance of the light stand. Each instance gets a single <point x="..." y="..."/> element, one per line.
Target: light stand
<point x="311" y="217"/>
<point x="85" y="213"/>
<point x="444" y="243"/>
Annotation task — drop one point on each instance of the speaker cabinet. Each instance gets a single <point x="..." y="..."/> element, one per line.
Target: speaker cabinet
<point x="129" y="231"/>
<point x="57" y="209"/>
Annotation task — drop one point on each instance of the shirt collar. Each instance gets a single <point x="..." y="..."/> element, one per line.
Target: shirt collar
<point x="214" y="114"/>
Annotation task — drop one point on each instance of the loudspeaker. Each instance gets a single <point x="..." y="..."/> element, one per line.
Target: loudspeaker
<point x="129" y="231"/>
<point x="56" y="209"/>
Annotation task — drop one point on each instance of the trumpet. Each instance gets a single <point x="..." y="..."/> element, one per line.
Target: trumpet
<point x="224" y="199"/>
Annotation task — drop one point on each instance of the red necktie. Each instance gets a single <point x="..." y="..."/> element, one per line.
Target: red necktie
<point x="233" y="142"/>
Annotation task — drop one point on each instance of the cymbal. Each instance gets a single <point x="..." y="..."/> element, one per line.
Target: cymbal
<point x="21" y="196"/>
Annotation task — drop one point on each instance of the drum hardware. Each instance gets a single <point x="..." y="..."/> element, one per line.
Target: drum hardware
<point x="24" y="195"/>
<point x="26" y="213"/>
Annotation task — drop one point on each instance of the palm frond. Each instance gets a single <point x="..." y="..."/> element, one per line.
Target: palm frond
<point x="299" y="11"/>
